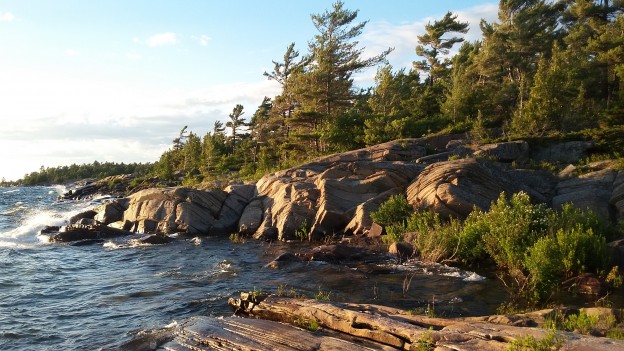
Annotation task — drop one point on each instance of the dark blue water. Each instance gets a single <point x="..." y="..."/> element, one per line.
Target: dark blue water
<point x="58" y="297"/>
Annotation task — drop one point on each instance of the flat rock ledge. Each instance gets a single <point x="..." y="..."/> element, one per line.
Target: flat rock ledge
<point x="278" y="323"/>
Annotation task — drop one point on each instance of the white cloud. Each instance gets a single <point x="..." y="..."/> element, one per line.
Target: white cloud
<point x="379" y="36"/>
<point x="55" y="119"/>
<point x="161" y="39"/>
<point x="71" y="52"/>
<point x="203" y="40"/>
<point x="6" y="17"/>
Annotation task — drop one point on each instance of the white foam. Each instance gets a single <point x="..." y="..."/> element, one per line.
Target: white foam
<point x="111" y="245"/>
<point x="58" y="189"/>
<point x="474" y="277"/>
<point x="11" y="191"/>
<point x="28" y="231"/>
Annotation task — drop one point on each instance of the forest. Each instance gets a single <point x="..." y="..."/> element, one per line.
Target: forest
<point x="542" y="69"/>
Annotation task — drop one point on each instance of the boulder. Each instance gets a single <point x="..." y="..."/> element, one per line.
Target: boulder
<point x="110" y="212"/>
<point x="155" y="239"/>
<point x="589" y="191"/>
<point x="86" y="214"/>
<point x="340" y="253"/>
<point x="171" y="210"/>
<point x="402" y="250"/>
<point x="283" y="260"/>
<point x="251" y="218"/>
<point x="568" y="152"/>
<point x="454" y="188"/>
<point x="77" y="232"/>
<point x="504" y="152"/>
<point x="238" y="196"/>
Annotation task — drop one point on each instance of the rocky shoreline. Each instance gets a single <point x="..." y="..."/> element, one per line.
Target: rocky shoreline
<point x="333" y="196"/>
<point x="281" y="323"/>
<point x="330" y="199"/>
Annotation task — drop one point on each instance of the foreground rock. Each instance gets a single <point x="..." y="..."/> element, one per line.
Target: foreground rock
<point x="206" y="333"/>
<point x="358" y="326"/>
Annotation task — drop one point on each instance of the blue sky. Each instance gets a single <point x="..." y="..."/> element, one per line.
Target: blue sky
<point x="116" y="80"/>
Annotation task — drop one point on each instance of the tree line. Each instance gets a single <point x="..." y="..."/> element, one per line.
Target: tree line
<point x="63" y="174"/>
<point x="542" y="68"/>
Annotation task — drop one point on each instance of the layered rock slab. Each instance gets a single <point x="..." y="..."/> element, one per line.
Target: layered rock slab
<point x="172" y="210"/>
<point x="454" y="188"/>
<point x="322" y="200"/>
<point x="401" y="331"/>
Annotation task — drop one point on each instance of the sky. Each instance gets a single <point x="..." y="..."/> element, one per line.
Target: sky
<point x="116" y="80"/>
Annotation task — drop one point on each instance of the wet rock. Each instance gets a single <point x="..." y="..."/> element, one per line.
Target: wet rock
<point x="86" y="214"/>
<point x="78" y="232"/>
<point x="81" y="192"/>
<point x="50" y="229"/>
<point x="155" y="239"/>
<point x="87" y="242"/>
<point x="340" y="253"/>
<point x="402" y="250"/>
<point x="110" y="212"/>
<point x="283" y="260"/>
<point x="86" y="222"/>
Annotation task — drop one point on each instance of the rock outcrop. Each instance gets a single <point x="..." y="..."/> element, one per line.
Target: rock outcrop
<point x="588" y="191"/>
<point x="191" y="211"/>
<point x="454" y="188"/>
<point x="343" y="326"/>
<point x="335" y="195"/>
<point x="332" y="194"/>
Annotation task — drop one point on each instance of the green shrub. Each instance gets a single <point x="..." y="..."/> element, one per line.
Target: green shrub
<point x="534" y="247"/>
<point x="394" y="211"/>
<point x="552" y="341"/>
<point x="506" y="231"/>
<point x="553" y="259"/>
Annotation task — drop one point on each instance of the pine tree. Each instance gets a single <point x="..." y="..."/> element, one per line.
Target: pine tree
<point x="435" y="43"/>
<point x="236" y="121"/>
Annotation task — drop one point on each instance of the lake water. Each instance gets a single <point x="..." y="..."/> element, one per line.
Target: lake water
<point x="60" y="297"/>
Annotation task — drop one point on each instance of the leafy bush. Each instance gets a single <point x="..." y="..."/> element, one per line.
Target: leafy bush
<point x="394" y="211"/>
<point x="554" y="258"/>
<point x="552" y="341"/>
<point x="436" y="240"/>
<point x="534" y="247"/>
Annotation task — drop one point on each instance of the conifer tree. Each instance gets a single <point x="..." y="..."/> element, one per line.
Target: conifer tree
<point x="236" y="121"/>
<point x="435" y="43"/>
